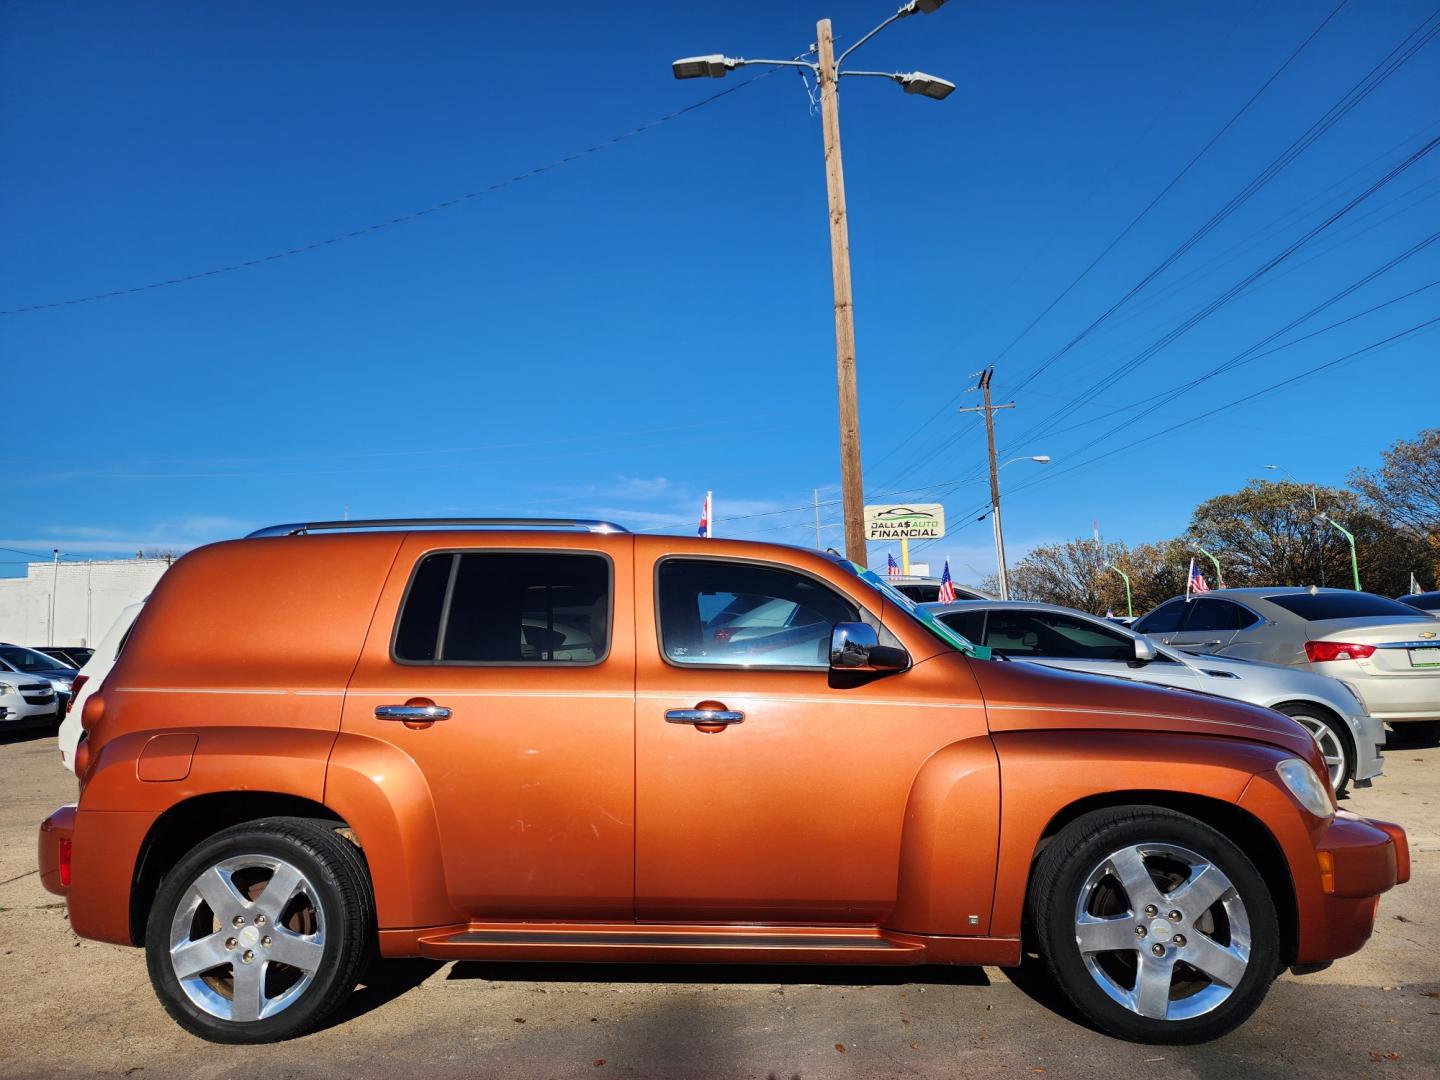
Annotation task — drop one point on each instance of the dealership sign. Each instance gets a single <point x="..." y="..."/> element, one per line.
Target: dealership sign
<point x="914" y="521"/>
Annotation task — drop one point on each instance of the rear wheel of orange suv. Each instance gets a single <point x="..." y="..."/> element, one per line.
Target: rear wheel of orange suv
<point x="259" y="932"/>
<point x="1155" y="925"/>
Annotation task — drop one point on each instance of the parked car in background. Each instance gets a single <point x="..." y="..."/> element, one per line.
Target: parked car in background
<point x="72" y="656"/>
<point x="1386" y="651"/>
<point x="1425" y="601"/>
<point x="89" y="679"/>
<point x="926" y="590"/>
<point x="1062" y="637"/>
<point x="36" y="665"/>
<point x="314" y="747"/>
<point x="25" y="701"/>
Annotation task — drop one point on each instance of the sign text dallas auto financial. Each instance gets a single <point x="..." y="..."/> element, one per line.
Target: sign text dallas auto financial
<point x="917" y="521"/>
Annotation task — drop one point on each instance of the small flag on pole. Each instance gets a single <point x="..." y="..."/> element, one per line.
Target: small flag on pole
<point x="705" y="515"/>
<point x="1198" y="584"/>
<point x="1109" y="613"/>
<point x="892" y="567"/>
<point x="947" y="587"/>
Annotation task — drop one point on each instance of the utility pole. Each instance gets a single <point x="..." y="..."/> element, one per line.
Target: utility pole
<point x="851" y="489"/>
<point x="54" y="588"/>
<point x="828" y="70"/>
<point x="989" y="411"/>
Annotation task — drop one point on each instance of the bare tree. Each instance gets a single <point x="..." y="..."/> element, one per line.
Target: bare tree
<point x="1405" y="491"/>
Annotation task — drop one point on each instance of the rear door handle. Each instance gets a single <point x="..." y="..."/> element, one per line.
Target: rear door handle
<point x="710" y="717"/>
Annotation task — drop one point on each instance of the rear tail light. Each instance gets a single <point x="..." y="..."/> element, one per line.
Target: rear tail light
<point x="80" y="680"/>
<point x="65" y="846"/>
<point x="1318" y="651"/>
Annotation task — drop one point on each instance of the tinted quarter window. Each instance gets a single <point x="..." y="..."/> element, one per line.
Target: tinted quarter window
<point x="1165" y="619"/>
<point x="714" y="612"/>
<point x="1317" y="607"/>
<point x="418" y="635"/>
<point x="506" y="608"/>
<point x="1218" y="615"/>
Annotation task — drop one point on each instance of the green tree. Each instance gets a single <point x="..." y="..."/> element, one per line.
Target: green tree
<point x="1267" y="534"/>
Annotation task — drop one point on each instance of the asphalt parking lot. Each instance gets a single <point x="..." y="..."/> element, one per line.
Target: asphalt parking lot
<point x="78" y="1008"/>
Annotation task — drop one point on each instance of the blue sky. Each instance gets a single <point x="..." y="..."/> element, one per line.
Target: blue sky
<point x="616" y="335"/>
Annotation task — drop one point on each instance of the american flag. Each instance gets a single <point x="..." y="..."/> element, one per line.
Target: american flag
<point x="1198" y="584"/>
<point x="947" y="587"/>
<point x="892" y="567"/>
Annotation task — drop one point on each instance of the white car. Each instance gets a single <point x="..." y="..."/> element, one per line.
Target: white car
<point x="25" y="701"/>
<point x="90" y="677"/>
<point x="1060" y="637"/>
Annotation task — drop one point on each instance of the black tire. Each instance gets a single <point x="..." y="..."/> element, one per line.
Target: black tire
<point x="332" y="869"/>
<point x="1310" y="715"/>
<point x="1081" y="849"/>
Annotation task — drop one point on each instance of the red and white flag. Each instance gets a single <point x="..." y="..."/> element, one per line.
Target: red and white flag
<point x="706" y="515"/>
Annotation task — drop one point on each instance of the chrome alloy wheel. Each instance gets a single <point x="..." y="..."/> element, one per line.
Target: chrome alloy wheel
<point x="247" y="938"/>
<point x="1162" y="931"/>
<point x="1328" y="739"/>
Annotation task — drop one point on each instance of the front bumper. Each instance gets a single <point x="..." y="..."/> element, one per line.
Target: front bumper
<point x="1338" y="867"/>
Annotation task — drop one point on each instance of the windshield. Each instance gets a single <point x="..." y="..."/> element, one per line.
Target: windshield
<point x="937" y="628"/>
<point x="27" y="660"/>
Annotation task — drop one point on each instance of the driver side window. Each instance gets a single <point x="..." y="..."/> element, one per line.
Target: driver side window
<point x="742" y="615"/>
<point x="1165" y="619"/>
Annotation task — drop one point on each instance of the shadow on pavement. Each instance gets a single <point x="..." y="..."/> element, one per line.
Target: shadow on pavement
<point x="386" y="981"/>
<point x="33" y="733"/>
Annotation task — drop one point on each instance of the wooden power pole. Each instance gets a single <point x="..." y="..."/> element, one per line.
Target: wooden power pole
<point x="989" y="411"/>
<point x="852" y="491"/>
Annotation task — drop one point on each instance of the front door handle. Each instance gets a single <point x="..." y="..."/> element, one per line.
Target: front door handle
<point x="416" y="714"/>
<point x="711" y="717"/>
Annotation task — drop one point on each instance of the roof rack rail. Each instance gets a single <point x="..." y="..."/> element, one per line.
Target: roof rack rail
<point x="300" y="528"/>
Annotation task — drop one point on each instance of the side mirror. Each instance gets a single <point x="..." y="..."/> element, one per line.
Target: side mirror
<point x="1144" y="650"/>
<point x="856" y="647"/>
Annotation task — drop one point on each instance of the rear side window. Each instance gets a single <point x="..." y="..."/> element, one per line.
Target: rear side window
<point x="1218" y="615"/>
<point x="506" y="608"/>
<point x="741" y="615"/>
<point x="1317" y="607"/>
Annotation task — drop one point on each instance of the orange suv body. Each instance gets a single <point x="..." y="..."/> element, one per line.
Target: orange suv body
<point x="582" y="744"/>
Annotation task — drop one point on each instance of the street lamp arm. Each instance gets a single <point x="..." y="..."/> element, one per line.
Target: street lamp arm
<point x="893" y="18"/>
<point x="740" y="61"/>
<point x="874" y="74"/>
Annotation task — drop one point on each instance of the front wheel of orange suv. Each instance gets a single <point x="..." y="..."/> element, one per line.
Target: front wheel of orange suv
<point x="259" y="932"/>
<point x="1157" y="927"/>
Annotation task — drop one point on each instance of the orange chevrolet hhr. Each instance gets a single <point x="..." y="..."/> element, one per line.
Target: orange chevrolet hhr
<point x="555" y="740"/>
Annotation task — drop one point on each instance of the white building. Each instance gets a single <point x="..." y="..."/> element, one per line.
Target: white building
<point x="73" y="603"/>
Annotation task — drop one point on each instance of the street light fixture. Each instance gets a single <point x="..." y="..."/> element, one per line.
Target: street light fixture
<point x="1326" y="519"/>
<point x="1041" y="459"/>
<point x="827" y="70"/>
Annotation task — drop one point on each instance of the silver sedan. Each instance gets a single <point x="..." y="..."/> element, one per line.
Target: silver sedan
<point x="1385" y="651"/>
<point x="1061" y="637"/>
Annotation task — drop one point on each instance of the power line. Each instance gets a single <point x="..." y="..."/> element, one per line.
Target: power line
<point x="402" y="219"/>
<point x="1124" y="232"/>
<point x="1412" y="43"/>
<point x="1111" y="377"/>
